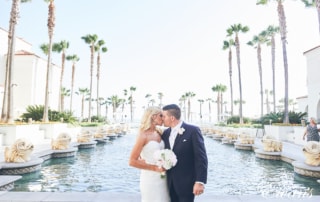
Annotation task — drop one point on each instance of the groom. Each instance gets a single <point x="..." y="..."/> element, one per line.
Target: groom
<point x="188" y="177"/>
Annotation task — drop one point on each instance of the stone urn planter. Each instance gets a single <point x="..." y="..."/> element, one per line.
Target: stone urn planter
<point x="312" y="153"/>
<point x="270" y="144"/>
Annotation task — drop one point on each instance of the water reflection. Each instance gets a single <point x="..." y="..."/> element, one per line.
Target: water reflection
<point x="105" y="168"/>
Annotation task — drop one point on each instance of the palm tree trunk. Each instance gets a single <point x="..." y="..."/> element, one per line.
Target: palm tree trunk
<point x="221" y="106"/>
<point x="72" y="86"/>
<point x="230" y="78"/>
<point x="82" y="106"/>
<point x="98" y="84"/>
<point x="260" y="76"/>
<point x="10" y="61"/>
<point x="51" y="19"/>
<point x="283" y="32"/>
<point x="10" y="76"/>
<point x="239" y="75"/>
<point x="4" y="113"/>
<point x="91" y="75"/>
<point x="218" y="106"/>
<point x="61" y="80"/>
<point x="273" y="73"/>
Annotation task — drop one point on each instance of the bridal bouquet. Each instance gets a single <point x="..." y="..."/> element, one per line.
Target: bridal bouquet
<point x="165" y="158"/>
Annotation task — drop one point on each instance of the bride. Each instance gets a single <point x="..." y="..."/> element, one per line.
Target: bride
<point x="153" y="188"/>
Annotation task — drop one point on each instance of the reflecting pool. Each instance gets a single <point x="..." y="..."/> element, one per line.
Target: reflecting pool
<point x="105" y="169"/>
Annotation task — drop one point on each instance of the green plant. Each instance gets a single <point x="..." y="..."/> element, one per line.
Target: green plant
<point x="294" y="117"/>
<point x="236" y="119"/>
<point x="36" y="113"/>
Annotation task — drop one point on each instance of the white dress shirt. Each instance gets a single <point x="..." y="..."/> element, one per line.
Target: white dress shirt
<point x="173" y="134"/>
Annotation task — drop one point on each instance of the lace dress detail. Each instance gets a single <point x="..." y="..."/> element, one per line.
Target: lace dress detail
<point x="153" y="188"/>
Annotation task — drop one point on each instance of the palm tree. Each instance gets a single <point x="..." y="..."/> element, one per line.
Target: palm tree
<point x="236" y="102"/>
<point x="291" y="103"/>
<point x="227" y="46"/>
<point x="125" y="93"/>
<point x="256" y="42"/>
<point x="235" y="30"/>
<point x="7" y="108"/>
<point x="44" y="48"/>
<point x="313" y="3"/>
<point x="160" y="96"/>
<point x="148" y="97"/>
<point x="91" y="40"/>
<point x="83" y="92"/>
<point x="64" y="93"/>
<point x="152" y="101"/>
<point x="219" y="88"/>
<point x="222" y="90"/>
<point x="271" y="32"/>
<point x="99" y="48"/>
<point x="267" y="93"/>
<point x="51" y="25"/>
<point x="74" y="59"/>
<point x="61" y="48"/>
<point x="100" y="102"/>
<point x="132" y="89"/>
<point x="209" y="100"/>
<point x="182" y="100"/>
<point x="116" y="102"/>
<point x="189" y="95"/>
<point x="201" y="101"/>
<point x="106" y="102"/>
<point x="283" y="34"/>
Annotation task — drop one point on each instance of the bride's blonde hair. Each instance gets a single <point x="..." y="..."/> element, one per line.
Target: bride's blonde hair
<point x="147" y="121"/>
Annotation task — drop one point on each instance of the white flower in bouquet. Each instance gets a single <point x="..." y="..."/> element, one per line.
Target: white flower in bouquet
<point x="165" y="158"/>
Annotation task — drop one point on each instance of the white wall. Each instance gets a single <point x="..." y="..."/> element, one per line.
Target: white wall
<point x="29" y="77"/>
<point x="313" y="81"/>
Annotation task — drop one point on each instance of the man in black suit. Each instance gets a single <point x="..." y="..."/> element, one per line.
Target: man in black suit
<point x="189" y="176"/>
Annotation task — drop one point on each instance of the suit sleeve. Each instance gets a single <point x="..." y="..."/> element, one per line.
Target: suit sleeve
<point x="200" y="156"/>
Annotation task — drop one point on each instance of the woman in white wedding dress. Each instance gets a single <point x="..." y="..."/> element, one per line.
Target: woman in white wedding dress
<point x="153" y="187"/>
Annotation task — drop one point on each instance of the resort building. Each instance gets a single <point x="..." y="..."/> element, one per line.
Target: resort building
<point x="29" y="76"/>
<point x="311" y="102"/>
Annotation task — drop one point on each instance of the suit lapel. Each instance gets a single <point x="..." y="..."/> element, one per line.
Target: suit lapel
<point x="167" y="142"/>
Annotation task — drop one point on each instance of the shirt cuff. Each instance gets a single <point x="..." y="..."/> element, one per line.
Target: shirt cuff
<point x="200" y="182"/>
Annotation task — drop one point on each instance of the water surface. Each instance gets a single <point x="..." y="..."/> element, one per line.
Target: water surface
<point x="105" y="169"/>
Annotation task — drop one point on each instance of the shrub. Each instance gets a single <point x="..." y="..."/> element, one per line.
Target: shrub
<point x="36" y="113"/>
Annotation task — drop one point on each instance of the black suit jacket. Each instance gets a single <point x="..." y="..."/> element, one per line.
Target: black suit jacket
<point x="192" y="164"/>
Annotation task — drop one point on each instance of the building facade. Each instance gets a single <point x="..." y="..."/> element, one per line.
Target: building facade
<point x="29" y="76"/>
<point x="311" y="102"/>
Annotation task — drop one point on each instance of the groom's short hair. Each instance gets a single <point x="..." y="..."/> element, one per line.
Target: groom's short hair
<point x="174" y="110"/>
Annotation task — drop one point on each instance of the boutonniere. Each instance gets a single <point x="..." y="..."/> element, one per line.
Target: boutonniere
<point x="180" y="131"/>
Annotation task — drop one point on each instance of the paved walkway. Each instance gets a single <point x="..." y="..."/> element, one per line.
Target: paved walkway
<point x="290" y="151"/>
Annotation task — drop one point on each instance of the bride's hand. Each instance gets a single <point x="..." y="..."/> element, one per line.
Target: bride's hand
<point x="159" y="169"/>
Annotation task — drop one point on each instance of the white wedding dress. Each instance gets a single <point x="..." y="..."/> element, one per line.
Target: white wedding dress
<point x="153" y="188"/>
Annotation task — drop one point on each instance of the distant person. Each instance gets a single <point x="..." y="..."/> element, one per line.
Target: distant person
<point x="189" y="176"/>
<point x="153" y="188"/>
<point x="312" y="131"/>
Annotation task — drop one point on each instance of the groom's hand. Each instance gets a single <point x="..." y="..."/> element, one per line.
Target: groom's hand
<point x="198" y="188"/>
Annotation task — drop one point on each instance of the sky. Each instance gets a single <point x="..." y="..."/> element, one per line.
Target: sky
<point x="173" y="46"/>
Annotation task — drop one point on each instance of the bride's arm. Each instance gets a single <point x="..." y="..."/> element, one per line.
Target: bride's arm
<point x="136" y="161"/>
